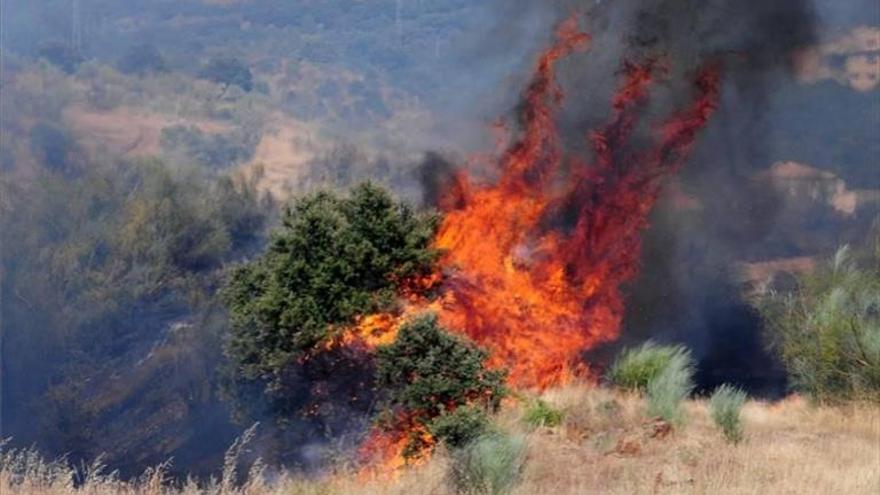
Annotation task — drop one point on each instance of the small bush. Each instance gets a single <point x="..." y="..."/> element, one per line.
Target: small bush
<point x="459" y="427"/>
<point x="428" y="371"/>
<point x="668" y="389"/>
<point x="490" y="465"/>
<point x="539" y="413"/>
<point x="827" y="331"/>
<point x="725" y="406"/>
<point x="228" y="71"/>
<point x="636" y="367"/>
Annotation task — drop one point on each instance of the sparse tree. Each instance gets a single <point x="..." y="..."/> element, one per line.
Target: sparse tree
<point x="61" y="55"/>
<point x="228" y="71"/>
<point x="143" y="59"/>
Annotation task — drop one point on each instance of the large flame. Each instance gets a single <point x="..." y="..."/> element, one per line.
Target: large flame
<point x="532" y="270"/>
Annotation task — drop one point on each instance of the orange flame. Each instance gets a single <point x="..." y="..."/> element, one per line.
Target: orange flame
<point x="535" y="293"/>
<point x="382" y="452"/>
<point x="531" y="270"/>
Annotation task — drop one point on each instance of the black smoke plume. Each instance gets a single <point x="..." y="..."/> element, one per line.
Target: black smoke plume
<point x="689" y="289"/>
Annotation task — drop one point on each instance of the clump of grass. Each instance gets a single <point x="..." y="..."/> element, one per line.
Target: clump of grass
<point x="636" y="367"/>
<point x="671" y="386"/>
<point x="25" y="469"/>
<point x="540" y="413"/>
<point x="725" y="406"/>
<point x="490" y="465"/>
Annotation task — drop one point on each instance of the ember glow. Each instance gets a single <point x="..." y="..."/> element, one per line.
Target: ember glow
<point x="533" y="264"/>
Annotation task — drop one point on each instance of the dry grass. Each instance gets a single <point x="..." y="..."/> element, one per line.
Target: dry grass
<point x="605" y="444"/>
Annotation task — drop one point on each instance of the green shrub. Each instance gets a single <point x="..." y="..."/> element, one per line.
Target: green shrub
<point x="490" y="465"/>
<point x="539" y="413"/>
<point x="725" y="406"/>
<point x="335" y="258"/>
<point x="213" y="150"/>
<point x="636" y="367"/>
<point x="143" y="59"/>
<point x="671" y="386"/>
<point x="459" y="427"/>
<point x="827" y="331"/>
<point x="428" y="372"/>
<point x="228" y="71"/>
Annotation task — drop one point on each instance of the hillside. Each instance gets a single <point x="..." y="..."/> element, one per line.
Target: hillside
<point x="216" y="213"/>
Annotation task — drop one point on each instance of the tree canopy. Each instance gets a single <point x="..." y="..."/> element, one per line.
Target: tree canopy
<point x="228" y="71"/>
<point x="334" y="258"/>
<point x="143" y="59"/>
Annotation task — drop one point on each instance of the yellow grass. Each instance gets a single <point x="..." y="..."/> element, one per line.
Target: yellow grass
<point x="607" y="445"/>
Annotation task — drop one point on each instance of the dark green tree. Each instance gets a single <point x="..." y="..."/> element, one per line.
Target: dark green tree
<point x="228" y="71"/>
<point x="61" y="55"/>
<point x="438" y="383"/>
<point x="333" y="259"/>
<point x="53" y="146"/>
<point x="143" y="59"/>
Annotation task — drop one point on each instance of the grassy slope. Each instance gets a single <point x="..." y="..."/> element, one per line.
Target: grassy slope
<point x="607" y="445"/>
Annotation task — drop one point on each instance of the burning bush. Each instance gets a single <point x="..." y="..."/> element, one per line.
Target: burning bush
<point x="532" y="265"/>
<point x="828" y="330"/>
<point x="438" y="389"/>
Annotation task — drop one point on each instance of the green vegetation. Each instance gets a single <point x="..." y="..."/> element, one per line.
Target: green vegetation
<point x="53" y="147"/>
<point x="143" y="59"/>
<point x="228" y="71"/>
<point x="490" y="465"/>
<point x="333" y="259"/>
<point x="663" y="373"/>
<point x="828" y="331"/>
<point x="61" y="55"/>
<point x="636" y="367"/>
<point x="725" y="406"/>
<point x="112" y="272"/>
<point x="540" y="414"/>
<point x="460" y="426"/>
<point x="667" y="390"/>
<point x="437" y="382"/>
<point x="211" y="150"/>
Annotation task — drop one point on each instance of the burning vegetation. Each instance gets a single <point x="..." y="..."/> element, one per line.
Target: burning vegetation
<point x="530" y="267"/>
<point x="536" y="263"/>
<point x="367" y="333"/>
